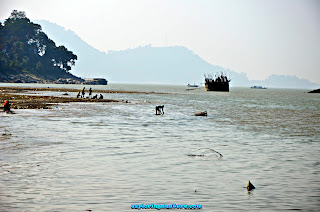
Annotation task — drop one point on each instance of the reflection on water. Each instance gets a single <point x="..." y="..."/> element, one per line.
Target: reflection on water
<point x="107" y="156"/>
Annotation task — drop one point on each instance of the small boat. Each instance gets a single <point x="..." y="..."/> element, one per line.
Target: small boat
<point x="258" y="87"/>
<point x="194" y="85"/>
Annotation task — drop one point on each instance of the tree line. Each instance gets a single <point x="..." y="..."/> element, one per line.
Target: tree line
<point x="25" y="48"/>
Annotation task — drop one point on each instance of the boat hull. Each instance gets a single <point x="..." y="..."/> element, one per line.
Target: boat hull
<point x="217" y="86"/>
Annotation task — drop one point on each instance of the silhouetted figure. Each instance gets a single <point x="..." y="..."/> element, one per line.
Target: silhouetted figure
<point x="6" y="106"/>
<point x="78" y="95"/>
<point x="90" y="92"/>
<point x="95" y="96"/>
<point x="159" y="110"/>
<point x="100" y="97"/>
<point x="82" y="92"/>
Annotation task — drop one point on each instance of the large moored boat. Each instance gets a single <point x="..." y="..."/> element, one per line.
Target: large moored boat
<point x="217" y="83"/>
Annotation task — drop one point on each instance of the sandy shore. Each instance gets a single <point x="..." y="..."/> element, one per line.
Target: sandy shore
<point x="20" y="99"/>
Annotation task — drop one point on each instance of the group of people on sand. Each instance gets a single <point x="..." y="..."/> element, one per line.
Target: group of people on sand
<point x="81" y="94"/>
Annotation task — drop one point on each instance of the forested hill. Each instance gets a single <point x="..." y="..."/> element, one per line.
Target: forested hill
<point x="28" y="55"/>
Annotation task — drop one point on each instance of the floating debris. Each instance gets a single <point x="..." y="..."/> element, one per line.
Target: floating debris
<point x="6" y="133"/>
<point x="204" y="113"/>
<point x="250" y="186"/>
<point x="159" y="110"/>
<point x="205" y="152"/>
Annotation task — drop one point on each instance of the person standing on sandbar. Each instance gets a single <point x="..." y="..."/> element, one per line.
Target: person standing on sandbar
<point x="82" y="92"/>
<point x="90" y="93"/>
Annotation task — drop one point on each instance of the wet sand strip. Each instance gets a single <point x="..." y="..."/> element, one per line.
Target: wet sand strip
<point x="23" y="101"/>
<point x="24" y="89"/>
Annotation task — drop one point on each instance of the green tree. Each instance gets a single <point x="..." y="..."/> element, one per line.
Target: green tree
<point x="24" y="46"/>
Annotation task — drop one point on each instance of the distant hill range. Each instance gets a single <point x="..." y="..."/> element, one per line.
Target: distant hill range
<point x="147" y="64"/>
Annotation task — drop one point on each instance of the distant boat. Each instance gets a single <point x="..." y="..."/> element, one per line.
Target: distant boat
<point x="194" y="85"/>
<point x="96" y="81"/>
<point x="258" y="87"/>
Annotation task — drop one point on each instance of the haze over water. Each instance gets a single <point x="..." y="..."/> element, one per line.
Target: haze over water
<point x="107" y="156"/>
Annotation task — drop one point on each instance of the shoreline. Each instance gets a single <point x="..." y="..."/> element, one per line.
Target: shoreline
<point x="73" y="90"/>
<point x="20" y="99"/>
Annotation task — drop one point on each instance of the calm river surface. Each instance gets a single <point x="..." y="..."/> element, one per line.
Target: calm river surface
<point x="108" y="156"/>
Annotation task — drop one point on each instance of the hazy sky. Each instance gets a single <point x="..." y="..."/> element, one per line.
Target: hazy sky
<point x="258" y="37"/>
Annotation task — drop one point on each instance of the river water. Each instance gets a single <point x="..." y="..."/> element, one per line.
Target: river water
<point x="108" y="156"/>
